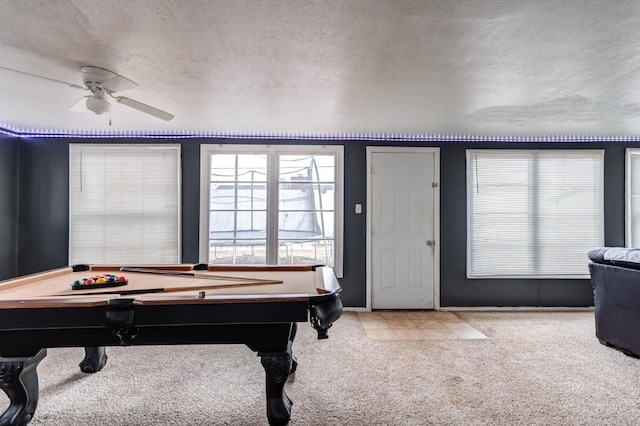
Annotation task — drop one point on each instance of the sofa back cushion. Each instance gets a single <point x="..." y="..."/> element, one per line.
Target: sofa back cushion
<point x="616" y="256"/>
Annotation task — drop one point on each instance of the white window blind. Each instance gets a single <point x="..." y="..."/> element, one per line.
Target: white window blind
<point x="633" y="198"/>
<point x="124" y="204"/>
<point x="533" y="213"/>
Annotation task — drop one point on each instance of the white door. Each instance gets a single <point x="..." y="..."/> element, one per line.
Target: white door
<point x="402" y="230"/>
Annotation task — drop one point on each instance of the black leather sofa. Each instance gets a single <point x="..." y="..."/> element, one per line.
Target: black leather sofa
<point x="615" y="276"/>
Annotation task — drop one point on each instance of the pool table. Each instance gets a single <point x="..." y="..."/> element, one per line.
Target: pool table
<point x="258" y="306"/>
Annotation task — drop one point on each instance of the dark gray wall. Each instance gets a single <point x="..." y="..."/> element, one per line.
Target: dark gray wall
<point x="9" y="154"/>
<point x="43" y="237"/>
<point x="190" y="153"/>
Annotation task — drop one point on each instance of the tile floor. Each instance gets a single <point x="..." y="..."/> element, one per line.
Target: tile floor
<point x="416" y="325"/>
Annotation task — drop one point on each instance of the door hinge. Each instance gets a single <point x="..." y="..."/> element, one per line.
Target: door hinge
<point x="434" y="185"/>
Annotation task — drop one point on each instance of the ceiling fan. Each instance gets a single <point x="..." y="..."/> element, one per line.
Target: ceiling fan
<point x="102" y="83"/>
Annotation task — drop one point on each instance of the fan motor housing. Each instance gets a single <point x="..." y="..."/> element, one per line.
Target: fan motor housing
<point x="95" y="75"/>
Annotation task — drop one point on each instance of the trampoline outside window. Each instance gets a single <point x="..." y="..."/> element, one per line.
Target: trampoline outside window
<point x="272" y="205"/>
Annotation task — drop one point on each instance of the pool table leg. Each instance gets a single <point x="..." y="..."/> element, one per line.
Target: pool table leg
<point x="277" y="367"/>
<point x="95" y="357"/>
<point x="19" y="380"/>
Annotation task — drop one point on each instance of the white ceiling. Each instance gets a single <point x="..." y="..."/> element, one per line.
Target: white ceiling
<point x="329" y="67"/>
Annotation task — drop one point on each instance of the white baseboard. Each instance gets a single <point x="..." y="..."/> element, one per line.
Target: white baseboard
<point x="494" y="308"/>
<point x="356" y="309"/>
<point x="518" y="308"/>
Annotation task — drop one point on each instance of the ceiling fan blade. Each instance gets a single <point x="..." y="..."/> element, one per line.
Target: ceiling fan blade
<point x="75" y="86"/>
<point x="144" y="108"/>
<point x="80" y="105"/>
<point x="118" y="84"/>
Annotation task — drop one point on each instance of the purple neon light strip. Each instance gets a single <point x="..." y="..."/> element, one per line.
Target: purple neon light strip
<point x="390" y="137"/>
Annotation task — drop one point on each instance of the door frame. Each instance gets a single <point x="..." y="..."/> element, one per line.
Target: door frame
<point x="436" y="215"/>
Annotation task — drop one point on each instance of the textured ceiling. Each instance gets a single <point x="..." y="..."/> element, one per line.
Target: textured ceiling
<point x="330" y="67"/>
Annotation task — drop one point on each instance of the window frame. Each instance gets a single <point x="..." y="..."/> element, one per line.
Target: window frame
<point x="628" y="213"/>
<point x="526" y="275"/>
<point x="273" y="153"/>
<point x="178" y="193"/>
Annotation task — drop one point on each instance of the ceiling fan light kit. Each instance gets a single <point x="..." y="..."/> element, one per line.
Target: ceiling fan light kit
<point x="97" y="103"/>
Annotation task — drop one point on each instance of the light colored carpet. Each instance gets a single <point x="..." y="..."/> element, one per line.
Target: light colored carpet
<point x="534" y="368"/>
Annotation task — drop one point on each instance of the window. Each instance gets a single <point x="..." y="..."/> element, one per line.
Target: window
<point x="271" y="204"/>
<point x="633" y="198"/>
<point x="124" y="204"/>
<point x="533" y="214"/>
